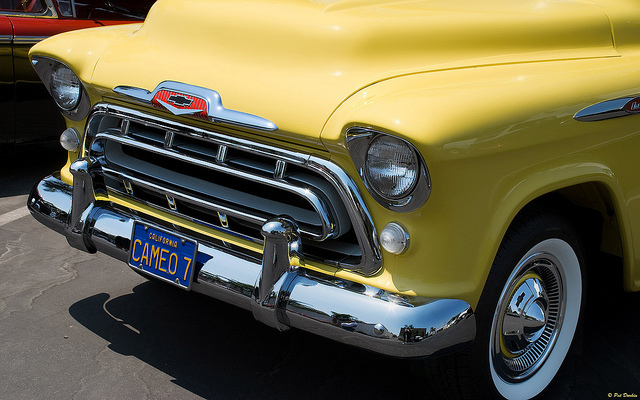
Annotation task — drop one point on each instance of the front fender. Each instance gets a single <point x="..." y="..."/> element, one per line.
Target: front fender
<point x="494" y="138"/>
<point x="81" y="50"/>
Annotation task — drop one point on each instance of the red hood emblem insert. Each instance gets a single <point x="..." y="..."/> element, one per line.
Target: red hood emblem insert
<point x="181" y="103"/>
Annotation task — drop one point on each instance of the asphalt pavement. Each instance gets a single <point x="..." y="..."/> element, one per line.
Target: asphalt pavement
<point x="83" y="326"/>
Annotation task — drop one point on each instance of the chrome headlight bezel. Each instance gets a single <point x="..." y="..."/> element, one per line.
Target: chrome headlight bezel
<point x="360" y="140"/>
<point x="46" y="68"/>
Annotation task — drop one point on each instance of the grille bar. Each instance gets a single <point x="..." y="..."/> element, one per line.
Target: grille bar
<point x="123" y="114"/>
<point x="182" y="196"/>
<point x="328" y="223"/>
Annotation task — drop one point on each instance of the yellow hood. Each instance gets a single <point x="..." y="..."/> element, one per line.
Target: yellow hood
<point x="295" y="61"/>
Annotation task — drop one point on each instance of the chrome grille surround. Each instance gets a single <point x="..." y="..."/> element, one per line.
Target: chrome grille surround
<point x="327" y="203"/>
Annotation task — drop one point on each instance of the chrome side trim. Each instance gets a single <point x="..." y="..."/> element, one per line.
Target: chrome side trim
<point x="609" y="109"/>
<point x="6" y="39"/>
<point x="215" y="110"/>
<point x="278" y="289"/>
<point x="28" y="40"/>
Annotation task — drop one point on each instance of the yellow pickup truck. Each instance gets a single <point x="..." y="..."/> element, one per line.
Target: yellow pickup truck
<point x="416" y="178"/>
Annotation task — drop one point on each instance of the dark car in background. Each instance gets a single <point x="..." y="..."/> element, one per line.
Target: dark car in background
<point x="27" y="113"/>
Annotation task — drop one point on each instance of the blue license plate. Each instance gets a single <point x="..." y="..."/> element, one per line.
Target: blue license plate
<point x="163" y="255"/>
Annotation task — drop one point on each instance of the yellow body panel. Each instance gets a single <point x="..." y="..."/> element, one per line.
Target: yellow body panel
<point x="487" y="165"/>
<point x="486" y="91"/>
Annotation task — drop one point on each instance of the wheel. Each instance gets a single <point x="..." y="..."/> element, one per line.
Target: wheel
<point x="535" y="319"/>
<point x="527" y="316"/>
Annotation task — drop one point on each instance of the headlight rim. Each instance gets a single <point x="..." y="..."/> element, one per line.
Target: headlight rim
<point x="359" y="138"/>
<point x="44" y="67"/>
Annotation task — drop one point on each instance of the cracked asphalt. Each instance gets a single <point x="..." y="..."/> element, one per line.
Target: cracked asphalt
<point x="83" y="326"/>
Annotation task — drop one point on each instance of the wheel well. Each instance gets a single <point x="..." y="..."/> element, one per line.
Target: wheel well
<point x="591" y="208"/>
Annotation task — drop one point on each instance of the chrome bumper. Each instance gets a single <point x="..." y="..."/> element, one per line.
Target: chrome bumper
<point x="277" y="292"/>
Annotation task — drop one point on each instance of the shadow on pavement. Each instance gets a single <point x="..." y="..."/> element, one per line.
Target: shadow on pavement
<point x="219" y="351"/>
<point x="216" y="350"/>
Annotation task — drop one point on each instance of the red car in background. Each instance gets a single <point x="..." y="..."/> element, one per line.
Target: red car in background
<point x="26" y="109"/>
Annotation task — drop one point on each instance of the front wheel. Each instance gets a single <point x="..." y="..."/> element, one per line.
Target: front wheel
<point x="528" y="313"/>
<point x="535" y="319"/>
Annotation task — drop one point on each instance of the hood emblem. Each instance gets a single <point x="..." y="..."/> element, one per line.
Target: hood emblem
<point x="187" y="100"/>
<point x="181" y="104"/>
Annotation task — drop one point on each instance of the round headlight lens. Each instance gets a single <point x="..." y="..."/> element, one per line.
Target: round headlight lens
<point x="65" y="87"/>
<point x="392" y="167"/>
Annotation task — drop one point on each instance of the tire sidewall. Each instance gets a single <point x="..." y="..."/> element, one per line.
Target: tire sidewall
<point x="546" y="233"/>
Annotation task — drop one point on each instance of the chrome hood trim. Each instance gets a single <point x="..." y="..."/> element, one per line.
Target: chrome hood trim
<point x="213" y="109"/>
<point x="609" y="109"/>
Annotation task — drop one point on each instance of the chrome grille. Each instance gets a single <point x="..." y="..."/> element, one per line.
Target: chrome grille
<point x="232" y="184"/>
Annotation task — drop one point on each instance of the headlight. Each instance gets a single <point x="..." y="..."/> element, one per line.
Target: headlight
<point x="391" y="167"/>
<point x="65" y="87"/>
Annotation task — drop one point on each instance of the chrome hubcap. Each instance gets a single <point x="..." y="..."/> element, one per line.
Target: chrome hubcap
<point x="525" y="316"/>
<point x="529" y="318"/>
